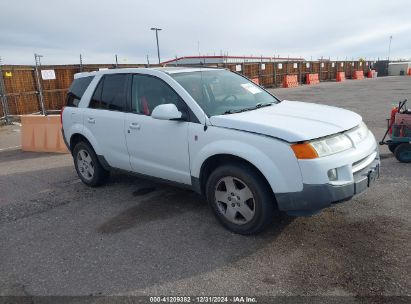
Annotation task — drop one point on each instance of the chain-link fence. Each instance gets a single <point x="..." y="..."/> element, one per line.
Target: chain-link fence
<point x="23" y="90"/>
<point x="271" y="74"/>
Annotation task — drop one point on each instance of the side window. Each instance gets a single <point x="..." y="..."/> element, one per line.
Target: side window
<point x="110" y="93"/>
<point x="149" y="92"/>
<point x="76" y="90"/>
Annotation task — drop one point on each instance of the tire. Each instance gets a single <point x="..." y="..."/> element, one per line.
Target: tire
<point x="234" y="210"/>
<point x="87" y="165"/>
<point x="392" y="147"/>
<point x="403" y="153"/>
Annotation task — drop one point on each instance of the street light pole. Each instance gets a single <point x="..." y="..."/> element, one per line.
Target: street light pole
<point x="389" y="49"/>
<point x="158" y="48"/>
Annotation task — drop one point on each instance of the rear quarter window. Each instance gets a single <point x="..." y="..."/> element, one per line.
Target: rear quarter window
<point x="76" y="90"/>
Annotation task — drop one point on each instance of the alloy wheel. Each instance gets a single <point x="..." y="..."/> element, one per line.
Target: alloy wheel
<point x="234" y="200"/>
<point x="85" y="164"/>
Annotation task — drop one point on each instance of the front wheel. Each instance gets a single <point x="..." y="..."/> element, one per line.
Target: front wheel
<point x="403" y="153"/>
<point x="240" y="198"/>
<point x="87" y="165"/>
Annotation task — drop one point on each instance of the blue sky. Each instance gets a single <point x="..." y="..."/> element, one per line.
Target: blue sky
<point x="98" y="29"/>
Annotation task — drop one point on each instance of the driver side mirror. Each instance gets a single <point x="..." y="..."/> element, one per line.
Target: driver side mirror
<point x="167" y="112"/>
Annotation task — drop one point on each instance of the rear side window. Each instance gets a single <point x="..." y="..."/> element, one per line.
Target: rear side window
<point x="110" y="93"/>
<point x="76" y="90"/>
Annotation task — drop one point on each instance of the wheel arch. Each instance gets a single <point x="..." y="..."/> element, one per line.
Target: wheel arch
<point x="87" y="136"/>
<point x="77" y="137"/>
<point x="278" y="167"/>
<point x="216" y="160"/>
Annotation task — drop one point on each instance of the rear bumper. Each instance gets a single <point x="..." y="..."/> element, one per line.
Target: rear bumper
<point x="313" y="197"/>
<point x="65" y="140"/>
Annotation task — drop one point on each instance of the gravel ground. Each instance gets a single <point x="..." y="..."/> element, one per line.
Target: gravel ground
<point x="136" y="237"/>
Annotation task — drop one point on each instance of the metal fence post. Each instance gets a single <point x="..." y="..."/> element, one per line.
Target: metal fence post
<point x="321" y="69"/>
<point x="286" y="64"/>
<point x="3" y="96"/>
<point x="39" y="88"/>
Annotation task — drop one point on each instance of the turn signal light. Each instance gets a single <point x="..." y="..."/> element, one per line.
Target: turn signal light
<point x="304" y="151"/>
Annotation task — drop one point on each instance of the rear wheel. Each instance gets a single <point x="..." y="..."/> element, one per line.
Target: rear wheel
<point x="403" y="153"/>
<point x="240" y="198"/>
<point x="392" y="147"/>
<point x="87" y="165"/>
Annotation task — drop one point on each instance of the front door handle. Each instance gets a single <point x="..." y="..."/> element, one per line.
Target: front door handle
<point x="91" y="120"/>
<point x="135" y="126"/>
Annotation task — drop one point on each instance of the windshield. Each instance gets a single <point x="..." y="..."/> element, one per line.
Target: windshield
<point x="223" y="92"/>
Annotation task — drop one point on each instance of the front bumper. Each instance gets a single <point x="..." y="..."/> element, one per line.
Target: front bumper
<point x="314" y="197"/>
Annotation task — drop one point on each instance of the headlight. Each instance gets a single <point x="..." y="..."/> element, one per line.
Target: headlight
<point x="331" y="145"/>
<point x="322" y="147"/>
<point x="359" y="133"/>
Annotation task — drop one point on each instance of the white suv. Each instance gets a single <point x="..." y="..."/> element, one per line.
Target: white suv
<point x="221" y="135"/>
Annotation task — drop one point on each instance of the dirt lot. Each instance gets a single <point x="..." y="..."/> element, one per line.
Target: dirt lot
<point x="135" y="237"/>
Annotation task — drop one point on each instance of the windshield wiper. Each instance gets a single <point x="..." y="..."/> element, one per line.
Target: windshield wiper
<point x="231" y="111"/>
<point x="261" y="105"/>
<point x="257" y="106"/>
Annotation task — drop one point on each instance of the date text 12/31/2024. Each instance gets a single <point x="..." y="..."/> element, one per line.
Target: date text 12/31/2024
<point x="202" y="299"/>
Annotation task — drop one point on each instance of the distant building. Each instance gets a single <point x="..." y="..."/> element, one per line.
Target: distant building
<point x="398" y="68"/>
<point x="221" y="60"/>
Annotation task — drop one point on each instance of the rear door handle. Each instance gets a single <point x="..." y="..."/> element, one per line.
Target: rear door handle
<point x="135" y="126"/>
<point x="91" y="120"/>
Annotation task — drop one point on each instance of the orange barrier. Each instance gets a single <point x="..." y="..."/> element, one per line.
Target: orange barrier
<point x="290" y="81"/>
<point x="340" y="76"/>
<point x="312" y="79"/>
<point x="41" y="133"/>
<point x="256" y="80"/>
<point x="358" y="75"/>
<point x="409" y="72"/>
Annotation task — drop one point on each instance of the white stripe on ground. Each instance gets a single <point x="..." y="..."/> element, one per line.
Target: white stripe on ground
<point x="10" y="148"/>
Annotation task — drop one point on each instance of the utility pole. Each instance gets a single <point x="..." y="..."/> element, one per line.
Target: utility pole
<point x="148" y="62"/>
<point x="389" y="48"/>
<point x="158" y="48"/>
<point x="116" y="62"/>
<point x="41" y="98"/>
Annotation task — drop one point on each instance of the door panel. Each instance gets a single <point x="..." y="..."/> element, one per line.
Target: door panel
<point x="104" y="118"/>
<point x="158" y="148"/>
<point x="107" y="128"/>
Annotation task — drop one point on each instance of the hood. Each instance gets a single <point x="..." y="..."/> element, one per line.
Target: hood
<point x="292" y="121"/>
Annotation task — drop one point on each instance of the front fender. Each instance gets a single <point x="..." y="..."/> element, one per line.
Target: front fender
<point x="279" y="180"/>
